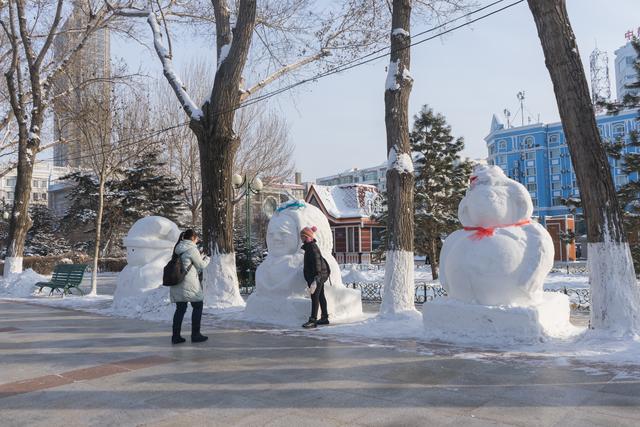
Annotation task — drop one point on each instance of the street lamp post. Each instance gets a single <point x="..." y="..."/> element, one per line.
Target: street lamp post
<point x="253" y="186"/>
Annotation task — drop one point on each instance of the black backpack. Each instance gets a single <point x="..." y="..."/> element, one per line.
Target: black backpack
<point x="174" y="271"/>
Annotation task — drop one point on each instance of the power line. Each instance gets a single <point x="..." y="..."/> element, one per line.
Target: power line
<point x="345" y="67"/>
<point x="357" y="62"/>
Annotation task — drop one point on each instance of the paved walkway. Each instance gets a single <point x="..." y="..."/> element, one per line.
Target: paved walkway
<point x="61" y="367"/>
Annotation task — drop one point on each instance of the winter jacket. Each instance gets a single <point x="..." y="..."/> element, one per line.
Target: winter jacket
<point x="190" y="289"/>
<point x="315" y="266"/>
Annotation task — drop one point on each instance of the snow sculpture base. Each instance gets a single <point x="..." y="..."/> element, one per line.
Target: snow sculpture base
<point x="344" y="305"/>
<point x="454" y="321"/>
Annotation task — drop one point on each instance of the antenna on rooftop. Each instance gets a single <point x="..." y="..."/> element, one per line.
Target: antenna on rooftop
<point x="507" y="114"/>
<point x="600" y="84"/>
<point x="520" y="97"/>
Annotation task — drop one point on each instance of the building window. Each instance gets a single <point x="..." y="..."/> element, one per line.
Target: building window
<point x="556" y="186"/>
<point x="532" y="188"/>
<point x="11" y="182"/>
<point x="554" y="138"/>
<point x="376" y="237"/>
<point x="501" y="159"/>
<point x="528" y="142"/>
<point x="36" y="197"/>
<point x="622" y="180"/>
<point x="502" y="145"/>
<point x="43" y="196"/>
<point x="530" y="171"/>
<point x="555" y="169"/>
<point x="554" y="154"/>
<point x="530" y="155"/>
<point x="534" y="201"/>
<point x="371" y="176"/>
<point x="556" y="201"/>
<point x="492" y="149"/>
<point x="617" y="130"/>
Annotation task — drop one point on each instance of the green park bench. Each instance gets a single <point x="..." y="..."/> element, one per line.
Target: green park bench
<point x="65" y="277"/>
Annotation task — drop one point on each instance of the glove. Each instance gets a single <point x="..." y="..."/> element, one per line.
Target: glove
<point x="312" y="288"/>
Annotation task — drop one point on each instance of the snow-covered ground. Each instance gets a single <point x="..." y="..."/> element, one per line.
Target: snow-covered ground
<point x="584" y="350"/>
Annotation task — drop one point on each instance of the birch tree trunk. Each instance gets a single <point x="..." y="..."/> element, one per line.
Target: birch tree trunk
<point x="398" y="297"/>
<point x="98" y="237"/>
<point x="615" y="295"/>
<point x="433" y="258"/>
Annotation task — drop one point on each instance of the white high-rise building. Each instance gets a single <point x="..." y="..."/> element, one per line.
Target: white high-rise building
<point x="625" y="73"/>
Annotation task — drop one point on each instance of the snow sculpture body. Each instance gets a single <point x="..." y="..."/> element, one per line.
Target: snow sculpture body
<point x="280" y="296"/>
<point x="494" y="268"/>
<point x="149" y="243"/>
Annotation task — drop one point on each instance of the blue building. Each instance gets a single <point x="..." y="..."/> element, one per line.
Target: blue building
<point x="537" y="156"/>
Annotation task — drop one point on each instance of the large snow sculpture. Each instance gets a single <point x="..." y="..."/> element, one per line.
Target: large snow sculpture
<point x="280" y="296"/>
<point x="149" y="243"/>
<point x="493" y="270"/>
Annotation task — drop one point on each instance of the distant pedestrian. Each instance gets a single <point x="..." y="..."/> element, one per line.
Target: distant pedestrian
<point x="190" y="289"/>
<point x="316" y="272"/>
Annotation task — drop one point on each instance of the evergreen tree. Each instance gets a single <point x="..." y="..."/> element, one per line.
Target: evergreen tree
<point x="441" y="182"/>
<point x="45" y="237"/>
<point x="146" y="190"/>
<point x="83" y="206"/>
<point x="628" y="193"/>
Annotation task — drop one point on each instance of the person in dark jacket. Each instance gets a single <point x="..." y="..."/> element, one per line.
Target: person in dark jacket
<point x="316" y="272"/>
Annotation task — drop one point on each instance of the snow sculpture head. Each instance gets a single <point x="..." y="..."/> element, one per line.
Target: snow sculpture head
<point x="149" y="238"/>
<point x="283" y="232"/>
<point x="493" y="199"/>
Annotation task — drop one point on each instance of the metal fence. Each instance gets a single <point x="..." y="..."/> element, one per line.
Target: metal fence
<point x="425" y="292"/>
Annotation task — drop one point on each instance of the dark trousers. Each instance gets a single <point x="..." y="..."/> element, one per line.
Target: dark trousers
<point x="318" y="299"/>
<point x="196" y="317"/>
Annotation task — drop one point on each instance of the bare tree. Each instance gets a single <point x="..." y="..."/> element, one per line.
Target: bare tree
<point x="31" y="29"/>
<point x="398" y="283"/>
<point x="113" y="134"/>
<point x="615" y="295"/>
<point x="289" y="35"/>
<point x="265" y="149"/>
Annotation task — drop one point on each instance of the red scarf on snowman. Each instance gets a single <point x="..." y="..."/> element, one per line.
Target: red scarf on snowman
<point x="482" y="232"/>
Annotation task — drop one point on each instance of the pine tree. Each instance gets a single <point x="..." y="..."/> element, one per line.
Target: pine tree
<point x="146" y="190"/>
<point x="628" y="193"/>
<point x="83" y="206"/>
<point x="45" y="237"/>
<point x="440" y="184"/>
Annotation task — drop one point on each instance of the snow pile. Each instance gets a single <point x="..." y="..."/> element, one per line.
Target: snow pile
<point x="149" y="304"/>
<point x="494" y="270"/>
<point x="353" y="275"/>
<point x="149" y="243"/>
<point x="281" y="295"/>
<point x="21" y="285"/>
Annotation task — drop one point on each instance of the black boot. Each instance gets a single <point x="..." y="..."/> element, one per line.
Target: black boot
<point x="196" y="318"/>
<point x="310" y="324"/>
<point x="324" y="320"/>
<point x="176" y="338"/>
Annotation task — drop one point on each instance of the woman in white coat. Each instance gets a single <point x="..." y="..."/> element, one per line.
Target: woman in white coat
<point x="190" y="289"/>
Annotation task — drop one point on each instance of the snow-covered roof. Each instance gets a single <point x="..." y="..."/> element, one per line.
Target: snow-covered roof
<point x="348" y="200"/>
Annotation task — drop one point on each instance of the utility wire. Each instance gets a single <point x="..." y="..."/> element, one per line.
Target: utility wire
<point x="338" y="69"/>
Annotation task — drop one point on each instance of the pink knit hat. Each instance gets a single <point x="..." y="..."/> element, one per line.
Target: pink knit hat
<point x="307" y="233"/>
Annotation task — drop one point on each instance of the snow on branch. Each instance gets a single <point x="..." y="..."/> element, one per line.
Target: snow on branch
<point x="193" y="111"/>
<point x="284" y="70"/>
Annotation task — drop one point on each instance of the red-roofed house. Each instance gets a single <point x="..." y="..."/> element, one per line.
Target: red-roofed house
<point x="349" y="209"/>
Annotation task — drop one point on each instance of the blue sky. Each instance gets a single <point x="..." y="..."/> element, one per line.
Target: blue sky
<point x="337" y="123"/>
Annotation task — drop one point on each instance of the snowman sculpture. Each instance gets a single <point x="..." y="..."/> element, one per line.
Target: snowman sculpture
<point x="494" y="268"/>
<point x="149" y="243"/>
<point x="281" y="295"/>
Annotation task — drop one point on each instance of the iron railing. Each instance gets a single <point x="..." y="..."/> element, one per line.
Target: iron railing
<point x="371" y="292"/>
